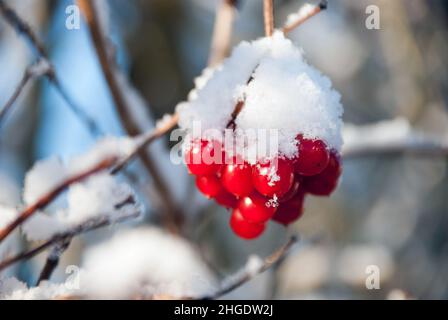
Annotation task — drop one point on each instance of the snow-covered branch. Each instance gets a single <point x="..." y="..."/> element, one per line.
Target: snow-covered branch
<point x="48" y="197"/>
<point x="254" y="267"/>
<point x="81" y="228"/>
<point x="305" y="12"/>
<point x="388" y="138"/>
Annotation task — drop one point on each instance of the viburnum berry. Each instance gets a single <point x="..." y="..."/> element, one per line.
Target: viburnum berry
<point x="204" y="157"/>
<point x="273" y="177"/>
<point x="313" y="156"/>
<point x="292" y="191"/>
<point x="324" y="183"/>
<point x="290" y="210"/>
<point x="209" y="185"/>
<point x="255" y="208"/>
<point x="237" y="179"/>
<point x="244" y="228"/>
<point x="226" y="199"/>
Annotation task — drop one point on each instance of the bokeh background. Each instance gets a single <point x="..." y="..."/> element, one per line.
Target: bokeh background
<point x="389" y="211"/>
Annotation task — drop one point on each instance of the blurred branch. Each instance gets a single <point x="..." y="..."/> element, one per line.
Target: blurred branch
<point x="44" y="200"/>
<point x="173" y="213"/>
<point x="268" y="12"/>
<point x="305" y="12"/>
<point x="23" y="28"/>
<point x="38" y="69"/>
<point x="390" y="137"/>
<point x="222" y="32"/>
<point x="247" y="275"/>
<point x="89" y="225"/>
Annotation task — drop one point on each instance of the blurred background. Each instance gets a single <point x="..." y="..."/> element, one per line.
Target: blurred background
<point x="389" y="211"/>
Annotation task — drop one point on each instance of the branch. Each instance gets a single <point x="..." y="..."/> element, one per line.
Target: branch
<point x="87" y="7"/>
<point x="38" y="69"/>
<point x="52" y="194"/>
<point x="268" y="12"/>
<point x="306" y="12"/>
<point x="53" y="260"/>
<point x="23" y="28"/>
<point x="246" y="276"/>
<point x="390" y="137"/>
<point x="89" y="225"/>
<point x="222" y="32"/>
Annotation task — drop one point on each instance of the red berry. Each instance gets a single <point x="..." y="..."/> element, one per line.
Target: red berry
<point x="292" y="191"/>
<point x="313" y="157"/>
<point x="290" y="210"/>
<point x="203" y="157"/>
<point x="273" y="177"/>
<point x="226" y="199"/>
<point x="209" y="185"/>
<point x="324" y="183"/>
<point x="243" y="228"/>
<point x="255" y="208"/>
<point x="237" y="179"/>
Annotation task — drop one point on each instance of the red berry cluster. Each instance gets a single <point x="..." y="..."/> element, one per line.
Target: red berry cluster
<point x="267" y="190"/>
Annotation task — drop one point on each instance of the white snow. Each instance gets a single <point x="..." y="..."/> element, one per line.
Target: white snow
<point x="145" y="261"/>
<point x="99" y="195"/>
<point x="7" y="215"/>
<point x="286" y="94"/>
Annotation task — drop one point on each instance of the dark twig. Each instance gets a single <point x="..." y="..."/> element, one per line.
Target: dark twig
<point x="89" y="225"/>
<point x="173" y="213"/>
<point x="43" y="201"/>
<point x="268" y="12"/>
<point x="40" y="68"/>
<point x="23" y="28"/>
<point x="53" y="260"/>
<point x="304" y="15"/>
<point x="245" y="276"/>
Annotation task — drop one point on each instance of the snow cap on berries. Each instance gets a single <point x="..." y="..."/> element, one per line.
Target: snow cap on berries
<point x="285" y="93"/>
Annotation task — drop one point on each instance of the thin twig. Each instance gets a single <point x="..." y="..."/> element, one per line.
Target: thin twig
<point x="268" y="12"/>
<point x="37" y="69"/>
<point x="53" y="260"/>
<point x="222" y="32"/>
<point x="44" y="200"/>
<point x="246" y="276"/>
<point x="305" y="13"/>
<point x="23" y="28"/>
<point x="173" y="213"/>
<point x="89" y="225"/>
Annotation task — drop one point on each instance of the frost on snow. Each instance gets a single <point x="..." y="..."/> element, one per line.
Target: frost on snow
<point x="285" y="93"/>
<point x="145" y="262"/>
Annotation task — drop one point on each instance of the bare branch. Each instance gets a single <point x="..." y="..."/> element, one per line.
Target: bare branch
<point x="268" y="12"/>
<point x="40" y="68"/>
<point x="23" y="28"/>
<point x="306" y="12"/>
<point x="43" y="201"/>
<point x="222" y="32"/>
<point x="53" y="260"/>
<point x="246" y="276"/>
<point x="174" y="216"/>
<point x="89" y="225"/>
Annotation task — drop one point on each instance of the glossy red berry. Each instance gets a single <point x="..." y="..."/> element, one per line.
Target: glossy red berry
<point x="255" y="208"/>
<point x="292" y="191"/>
<point x="273" y="177"/>
<point x="203" y="157"/>
<point x="209" y="185"/>
<point x="324" y="183"/>
<point x="313" y="157"/>
<point x="243" y="228"/>
<point x="237" y="179"/>
<point x="226" y="199"/>
<point x="290" y="210"/>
